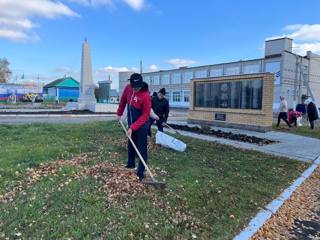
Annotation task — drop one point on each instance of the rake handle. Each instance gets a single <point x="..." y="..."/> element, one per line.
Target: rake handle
<point x="137" y="151"/>
<point x="171" y="128"/>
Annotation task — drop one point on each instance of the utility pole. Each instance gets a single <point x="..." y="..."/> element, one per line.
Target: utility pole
<point x="141" y="67"/>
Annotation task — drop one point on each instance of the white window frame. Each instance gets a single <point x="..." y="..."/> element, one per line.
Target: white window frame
<point x="204" y="73"/>
<point x="173" y="96"/>
<point x="176" y="78"/>
<point x="167" y="81"/>
<point x="184" y="95"/>
<point x="158" y="80"/>
<point x="186" y="78"/>
<point x="251" y="68"/>
<point x="216" y="72"/>
<point x="233" y="70"/>
<point x="147" y="79"/>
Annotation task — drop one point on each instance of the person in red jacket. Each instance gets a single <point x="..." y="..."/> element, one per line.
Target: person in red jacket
<point x="293" y="116"/>
<point x="136" y="97"/>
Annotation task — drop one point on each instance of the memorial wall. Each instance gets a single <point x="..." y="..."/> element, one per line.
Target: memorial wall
<point x="241" y="101"/>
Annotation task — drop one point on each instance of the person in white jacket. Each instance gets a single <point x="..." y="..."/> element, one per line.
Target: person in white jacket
<point x="283" y="111"/>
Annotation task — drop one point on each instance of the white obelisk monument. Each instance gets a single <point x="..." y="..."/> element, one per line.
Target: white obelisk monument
<point x="86" y="99"/>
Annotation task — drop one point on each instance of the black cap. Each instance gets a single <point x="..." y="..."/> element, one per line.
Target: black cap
<point x="163" y="91"/>
<point x="136" y="80"/>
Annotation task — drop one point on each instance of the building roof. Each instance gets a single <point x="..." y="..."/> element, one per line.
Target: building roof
<point x="63" y="82"/>
<point x="113" y="93"/>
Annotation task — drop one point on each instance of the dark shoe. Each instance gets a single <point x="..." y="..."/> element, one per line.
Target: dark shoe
<point x="129" y="167"/>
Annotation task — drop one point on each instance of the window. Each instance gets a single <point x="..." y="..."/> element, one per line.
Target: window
<point x="186" y="96"/>
<point x="256" y="93"/>
<point x="156" y="80"/>
<point x="201" y="74"/>
<point x="176" y="78"/>
<point x="168" y="96"/>
<point x="253" y="68"/>
<point x="246" y="94"/>
<point x="274" y="67"/>
<point x="176" y="97"/>
<point x="147" y="79"/>
<point x="165" y="79"/>
<point x="187" y="76"/>
<point x="232" y="70"/>
<point x="216" y="72"/>
<point x="235" y="94"/>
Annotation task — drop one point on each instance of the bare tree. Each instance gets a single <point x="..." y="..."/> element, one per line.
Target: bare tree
<point x="5" y="72"/>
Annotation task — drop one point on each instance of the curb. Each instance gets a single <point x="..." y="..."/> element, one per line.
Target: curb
<point x="264" y="215"/>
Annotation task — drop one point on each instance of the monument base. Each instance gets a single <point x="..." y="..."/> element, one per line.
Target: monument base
<point x="93" y="107"/>
<point x="104" y="107"/>
<point x="86" y="103"/>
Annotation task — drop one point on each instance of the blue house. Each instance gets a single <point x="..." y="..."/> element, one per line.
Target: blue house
<point x="65" y="89"/>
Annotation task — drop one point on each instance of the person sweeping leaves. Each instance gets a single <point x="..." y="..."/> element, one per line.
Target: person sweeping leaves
<point x="136" y="97"/>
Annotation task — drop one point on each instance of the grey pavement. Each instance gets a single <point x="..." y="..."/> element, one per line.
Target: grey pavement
<point x="289" y="145"/>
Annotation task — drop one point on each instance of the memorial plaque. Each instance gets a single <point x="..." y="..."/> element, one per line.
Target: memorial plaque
<point x="220" y="116"/>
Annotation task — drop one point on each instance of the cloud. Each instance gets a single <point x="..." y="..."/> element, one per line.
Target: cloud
<point x="153" y="67"/>
<point x="14" y="35"/>
<point x="110" y="69"/>
<point x="93" y="3"/>
<point x="306" y="37"/>
<point x="308" y="33"/>
<point x="134" y="4"/>
<point x="16" y="15"/>
<point x="302" y="48"/>
<point x="180" y="62"/>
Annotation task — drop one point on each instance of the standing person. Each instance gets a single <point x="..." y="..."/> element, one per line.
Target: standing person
<point x="160" y="106"/>
<point x="283" y="111"/>
<point x="137" y="99"/>
<point x="312" y="112"/>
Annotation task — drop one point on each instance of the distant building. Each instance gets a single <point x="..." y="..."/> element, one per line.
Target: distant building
<point x="114" y="96"/>
<point x="17" y="91"/>
<point x="64" y="89"/>
<point x="123" y="80"/>
<point x="103" y="93"/>
<point x="295" y="76"/>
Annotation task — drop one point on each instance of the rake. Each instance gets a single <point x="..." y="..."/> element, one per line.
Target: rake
<point x="153" y="181"/>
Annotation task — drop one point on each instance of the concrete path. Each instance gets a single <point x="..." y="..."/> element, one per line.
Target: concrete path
<point x="290" y="145"/>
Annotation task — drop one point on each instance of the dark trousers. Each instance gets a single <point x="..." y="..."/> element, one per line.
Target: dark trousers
<point x="312" y="124"/>
<point x="159" y="125"/>
<point x="140" y="139"/>
<point x="294" y="121"/>
<point x="284" y="117"/>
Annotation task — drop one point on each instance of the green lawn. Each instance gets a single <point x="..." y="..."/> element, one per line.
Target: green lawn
<point x="303" y="130"/>
<point x="212" y="190"/>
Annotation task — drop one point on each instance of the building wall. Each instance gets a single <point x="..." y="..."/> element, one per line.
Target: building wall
<point x="313" y="76"/>
<point x="63" y="93"/>
<point x="123" y="80"/>
<point x="177" y="81"/>
<point x="260" y="119"/>
<point x="104" y="90"/>
<point x="293" y="84"/>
